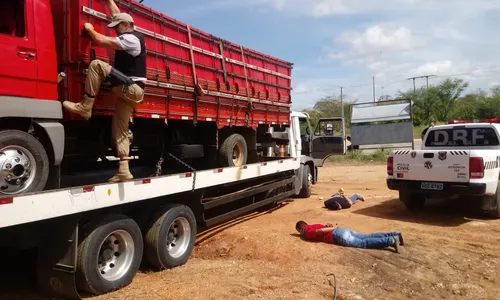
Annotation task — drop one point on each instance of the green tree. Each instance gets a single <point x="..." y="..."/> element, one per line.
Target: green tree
<point x="466" y="108"/>
<point x="448" y="92"/>
<point x="437" y="102"/>
<point x="425" y="103"/>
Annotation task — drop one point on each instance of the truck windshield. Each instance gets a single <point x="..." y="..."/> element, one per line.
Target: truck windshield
<point x="462" y="137"/>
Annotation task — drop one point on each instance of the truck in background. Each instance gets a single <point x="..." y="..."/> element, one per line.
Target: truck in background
<point x="381" y="125"/>
<point x="460" y="159"/>
<point x="209" y="102"/>
<point x="92" y="238"/>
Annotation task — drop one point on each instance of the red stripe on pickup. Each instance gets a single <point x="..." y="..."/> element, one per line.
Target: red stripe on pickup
<point x="88" y="189"/>
<point x="6" y="200"/>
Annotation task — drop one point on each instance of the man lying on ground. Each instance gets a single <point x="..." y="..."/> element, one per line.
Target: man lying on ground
<point x="349" y="238"/>
<point x="341" y="201"/>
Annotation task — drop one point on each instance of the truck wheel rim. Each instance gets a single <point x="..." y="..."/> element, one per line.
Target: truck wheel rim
<point x="17" y="170"/>
<point x="116" y="255"/>
<point x="238" y="154"/>
<point x="309" y="179"/>
<point x="179" y="236"/>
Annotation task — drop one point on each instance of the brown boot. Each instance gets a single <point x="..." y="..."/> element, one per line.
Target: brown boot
<point x="123" y="173"/>
<point x="84" y="108"/>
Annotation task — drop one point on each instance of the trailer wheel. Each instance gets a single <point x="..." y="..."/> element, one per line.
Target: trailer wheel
<point x="109" y="255"/>
<point x="307" y="179"/>
<point x="413" y="202"/>
<point x="233" y="151"/>
<point x="24" y="164"/>
<point x="169" y="241"/>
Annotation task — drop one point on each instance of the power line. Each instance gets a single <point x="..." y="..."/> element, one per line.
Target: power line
<point x="397" y="81"/>
<point x="347" y="86"/>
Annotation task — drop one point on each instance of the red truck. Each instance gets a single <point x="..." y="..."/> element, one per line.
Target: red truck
<point x="246" y="99"/>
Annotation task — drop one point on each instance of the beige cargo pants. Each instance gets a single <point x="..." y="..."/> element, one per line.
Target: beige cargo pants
<point x="126" y="102"/>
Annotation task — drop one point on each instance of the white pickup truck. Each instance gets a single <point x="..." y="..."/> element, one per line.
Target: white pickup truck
<point x="455" y="160"/>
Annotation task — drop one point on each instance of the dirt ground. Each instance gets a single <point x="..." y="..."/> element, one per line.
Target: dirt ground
<point x="449" y="252"/>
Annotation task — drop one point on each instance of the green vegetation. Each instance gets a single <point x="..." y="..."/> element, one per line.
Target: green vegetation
<point x="438" y="103"/>
<point x="377" y="156"/>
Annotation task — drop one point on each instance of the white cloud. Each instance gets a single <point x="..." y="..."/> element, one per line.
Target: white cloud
<point x="380" y="37"/>
<point x="279" y="4"/>
<point x="389" y="39"/>
<point x="403" y="45"/>
<point x="329" y="7"/>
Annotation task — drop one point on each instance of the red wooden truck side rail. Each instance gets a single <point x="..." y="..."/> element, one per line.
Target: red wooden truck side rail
<point x="242" y="87"/>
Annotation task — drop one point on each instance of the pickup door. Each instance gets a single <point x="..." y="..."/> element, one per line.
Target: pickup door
<point x="432" y="165"/>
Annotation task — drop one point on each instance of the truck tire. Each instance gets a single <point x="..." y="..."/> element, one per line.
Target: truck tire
<point x="109" y="255"/>
<point x="496" y="213"/>
<point x="170" y="239"/>
<point x="233" y="151"/>
<point x="413" y="202"/>
<point x="24" y="164"/>
<point x="307" y="179"/>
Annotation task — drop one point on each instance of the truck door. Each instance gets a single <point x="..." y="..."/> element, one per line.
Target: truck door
<point x="328" y="139"/>
<point x="305" y="136"/>
<point x="18" y="54"/>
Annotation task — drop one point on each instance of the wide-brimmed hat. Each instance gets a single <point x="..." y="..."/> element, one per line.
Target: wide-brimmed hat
<point x="121" y="17"/>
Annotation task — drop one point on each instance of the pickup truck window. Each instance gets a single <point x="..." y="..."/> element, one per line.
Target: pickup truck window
<point x="471" y="137"/>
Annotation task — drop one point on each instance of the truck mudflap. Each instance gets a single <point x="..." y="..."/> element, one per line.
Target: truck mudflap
<point x="57" y="260"/>
<point x="432" y="165"/>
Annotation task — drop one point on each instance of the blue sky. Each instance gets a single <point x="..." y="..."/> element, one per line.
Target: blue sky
<point x="335" y="43"/>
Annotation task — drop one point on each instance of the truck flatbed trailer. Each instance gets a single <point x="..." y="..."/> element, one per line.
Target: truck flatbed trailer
<point x="63" y="202"/>
<point x="92" y="238"/>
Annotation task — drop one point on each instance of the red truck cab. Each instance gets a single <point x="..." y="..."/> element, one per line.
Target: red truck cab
<point x="29" y="59"/>
<point x="28" y="96"/>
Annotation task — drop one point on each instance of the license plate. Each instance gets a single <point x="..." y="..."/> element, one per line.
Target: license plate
<point x="431" y="186"/>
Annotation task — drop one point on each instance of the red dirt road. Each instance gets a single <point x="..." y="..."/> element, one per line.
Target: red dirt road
<point x="449" y="253"/>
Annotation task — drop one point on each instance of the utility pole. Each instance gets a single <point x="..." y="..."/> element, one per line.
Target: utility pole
<point x="342" y="101"/>
<point x="427" y="79"/>
<point x="418" y="77"/>
<point x="374" y="89"/>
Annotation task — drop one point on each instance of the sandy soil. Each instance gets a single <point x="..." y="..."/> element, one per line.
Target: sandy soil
<point x="449" y="252"/>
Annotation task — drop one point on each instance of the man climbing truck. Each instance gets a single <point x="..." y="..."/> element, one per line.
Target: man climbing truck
<point x="128" y="75"/>
<point x="207" y="101"/>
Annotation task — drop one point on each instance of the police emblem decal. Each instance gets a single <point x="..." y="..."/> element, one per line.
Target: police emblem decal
<point x="442" y="155"/>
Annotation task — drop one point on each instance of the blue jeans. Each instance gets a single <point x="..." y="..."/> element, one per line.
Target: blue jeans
<point x="343" y="203"/>
<point x="350" y="238"/>
<point x="354" y="198"/>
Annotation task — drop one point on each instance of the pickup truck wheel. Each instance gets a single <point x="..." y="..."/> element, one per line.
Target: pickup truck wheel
<point x="233" y="151"/>
<point x="109" y="255"/>
<point x="496" y="213"/>
<point x="170" y="239"/>
<point x="307" y="180"/>
<point x="413" y="202"/>
<point x="24" y="164"/>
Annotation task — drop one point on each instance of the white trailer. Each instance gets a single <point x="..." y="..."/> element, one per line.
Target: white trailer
<point x="93" y="238"/>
